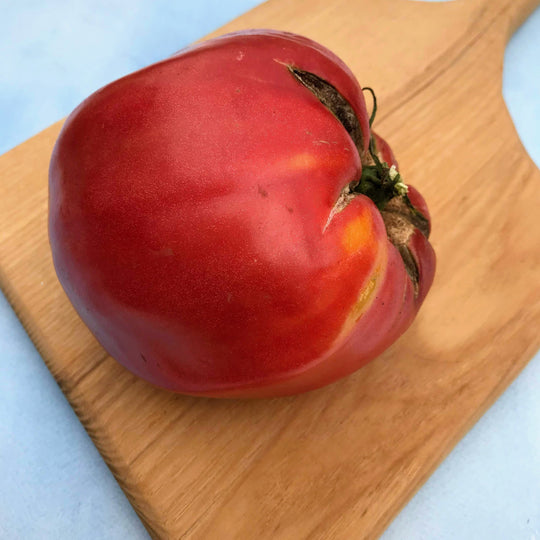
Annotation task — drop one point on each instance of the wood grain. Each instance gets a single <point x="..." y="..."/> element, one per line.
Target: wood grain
<point x="341" y="461"/>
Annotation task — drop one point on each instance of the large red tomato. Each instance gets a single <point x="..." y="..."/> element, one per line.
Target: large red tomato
<point x="226" y="224"/>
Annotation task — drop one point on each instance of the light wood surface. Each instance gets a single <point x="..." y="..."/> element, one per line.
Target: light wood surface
<point x="341" y="461"/>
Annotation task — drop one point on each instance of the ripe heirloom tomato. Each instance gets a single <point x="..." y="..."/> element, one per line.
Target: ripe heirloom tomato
<point x="226" y="223"/>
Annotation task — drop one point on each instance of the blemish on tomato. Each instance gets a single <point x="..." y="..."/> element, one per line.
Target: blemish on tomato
<point x="302" y="161"/>
<point x="368" y="293"/>
<point x="364" y="298"/>
<point x="164" y="251"/>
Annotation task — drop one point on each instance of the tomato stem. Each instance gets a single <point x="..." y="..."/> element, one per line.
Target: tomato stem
<point x="374" y="98"/>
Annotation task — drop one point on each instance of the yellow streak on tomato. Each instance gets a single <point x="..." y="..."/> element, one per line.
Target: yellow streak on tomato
<point x="364" y="298"/>
<point x="364" y="301"/>
<point x="358" y="234"/>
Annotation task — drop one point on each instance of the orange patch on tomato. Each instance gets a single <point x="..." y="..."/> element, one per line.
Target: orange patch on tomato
<point x="358" y="234"/>
<point x="303" y="161"/>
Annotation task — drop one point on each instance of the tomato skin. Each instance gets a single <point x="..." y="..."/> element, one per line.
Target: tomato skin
<point x="191" y="223"/>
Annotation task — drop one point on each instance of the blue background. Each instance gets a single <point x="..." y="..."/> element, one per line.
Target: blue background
<point x="53" y="483"/>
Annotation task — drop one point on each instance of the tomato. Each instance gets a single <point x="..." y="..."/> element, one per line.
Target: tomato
<point x="227" y="225"/>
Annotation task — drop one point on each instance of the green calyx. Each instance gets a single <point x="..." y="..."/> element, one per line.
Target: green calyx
<point x="380" y="183"/>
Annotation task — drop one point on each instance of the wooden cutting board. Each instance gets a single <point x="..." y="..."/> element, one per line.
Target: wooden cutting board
<point x="341" y="461"/>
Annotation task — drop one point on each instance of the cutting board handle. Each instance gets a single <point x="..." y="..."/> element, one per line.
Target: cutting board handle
<point x="517" y="10"/>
